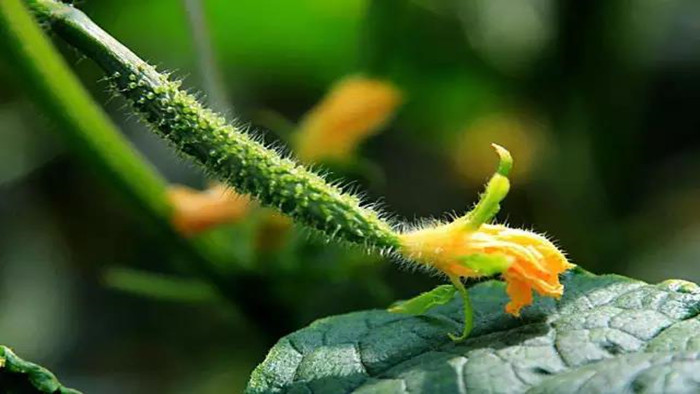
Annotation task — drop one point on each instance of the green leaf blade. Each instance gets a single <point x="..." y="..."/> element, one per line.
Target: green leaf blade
<point x="604" y="326"/>
<point x="422" y="303"/>
<point x="20" y="376"/>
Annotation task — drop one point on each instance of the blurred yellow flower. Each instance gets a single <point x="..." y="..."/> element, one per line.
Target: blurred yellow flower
<point x="196" y="211"/>
<point x="355" y="108"/>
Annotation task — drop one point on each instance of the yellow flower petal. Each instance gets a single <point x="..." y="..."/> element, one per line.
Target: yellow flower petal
<point x="520" y="295"/>
<point x="196" y="211"/>
<point x="535" y="263"/>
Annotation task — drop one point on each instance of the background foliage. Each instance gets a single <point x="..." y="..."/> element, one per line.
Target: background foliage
<point x="594" y="100"/>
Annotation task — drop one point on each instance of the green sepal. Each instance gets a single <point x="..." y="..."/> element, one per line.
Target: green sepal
<point x="485" y="264"/>
<point x="505" y="163"/>
<point x="440" y="295"/>
<point x="496" y="190"/>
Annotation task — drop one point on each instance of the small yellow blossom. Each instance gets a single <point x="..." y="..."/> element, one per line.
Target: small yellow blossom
<point x="354" y="109"/>
<point x="469" y="247"/>
<point x="196" y="211"/>
<point x="531" y="261"/>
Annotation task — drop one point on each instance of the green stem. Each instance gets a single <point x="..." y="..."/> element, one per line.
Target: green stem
<point x="88" y="130"/>
<point x="223" y="150"/>
<point x="82" y="123"/>
<point x="468" y="311"/>
<point x="159" y="286"/>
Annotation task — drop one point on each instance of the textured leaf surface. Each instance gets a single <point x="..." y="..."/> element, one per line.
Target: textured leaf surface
<point x="607" y="334"/>
<point x="19" y="377"/>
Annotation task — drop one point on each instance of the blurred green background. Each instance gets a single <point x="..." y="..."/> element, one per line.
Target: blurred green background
<point x="597" y="100"/>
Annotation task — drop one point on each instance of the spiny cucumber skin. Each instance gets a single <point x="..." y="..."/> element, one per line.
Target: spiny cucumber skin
<point x="247" y="165"/>
<point x="225" y="152"/>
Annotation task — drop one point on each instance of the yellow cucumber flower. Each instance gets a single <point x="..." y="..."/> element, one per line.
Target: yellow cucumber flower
<point x="469" y="247"/>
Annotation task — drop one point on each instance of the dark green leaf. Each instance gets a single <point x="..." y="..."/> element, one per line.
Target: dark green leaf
<point x="19" y="377"/>
<point x="607" y="334"/>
